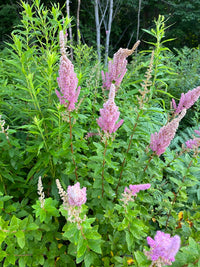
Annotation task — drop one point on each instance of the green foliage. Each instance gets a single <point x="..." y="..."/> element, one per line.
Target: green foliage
<point x="45" y="140"/>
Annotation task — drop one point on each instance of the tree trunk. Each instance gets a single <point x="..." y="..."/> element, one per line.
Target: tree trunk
<point x="70" y="29"/>
<point x="138" y="21"/>
<point x="78" y="29"/>
<point x="108" y="33"/>
<point x="96" y="10"/>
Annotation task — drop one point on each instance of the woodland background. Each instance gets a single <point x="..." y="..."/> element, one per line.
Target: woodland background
<point x="182" y="15"/>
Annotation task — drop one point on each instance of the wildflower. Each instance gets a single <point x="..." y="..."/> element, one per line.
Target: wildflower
<point x="195" y="142"/>
<point x="3" y="130"/>
<point x="40" y="192"/>
<point x="160" y="141"/>
<point x="187" y="100"/>
<point x="67" y="80"/>
<point x="117" y="67"/>
<point x="72" y="201"/>
<point x="76" y="195"/>
<point x="132" y="191"/>
<point x="163" y="249"/>
<point x="109" y="114"/>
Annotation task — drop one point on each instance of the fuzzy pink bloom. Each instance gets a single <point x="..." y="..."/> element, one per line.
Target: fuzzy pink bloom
<point x="193" y="143"/>
<point x="160" y="141"/>
<point x="134" y="189"/>
<point x="67" y="80"/>
<point x="117" y="67"/>
<point x="109" y="114"/>
<point x="76" y="195"/>
<point x="187" y="100"/>
<point x="163" y="248"/>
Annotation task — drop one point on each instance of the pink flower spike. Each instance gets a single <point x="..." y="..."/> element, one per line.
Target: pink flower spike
<point x="195" y="142"/>
<point x="163" y="248"/>
<point x="191" y="143"/>
<point x="117" y="67"/>
<point x="128" y="194"/>
<point x="137" y="188"/>
<point x="187" y="100"/>
<point x="174" y="104"/>
<point x="160" y="141"/>
<point x="76" y="195"/>
<point x="67" y="80"/>
<point x="109" y="114"/>
<point x="197" y="132"/>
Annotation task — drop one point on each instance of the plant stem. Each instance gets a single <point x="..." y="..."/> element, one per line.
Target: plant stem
<point x="124" y="160"/>
<point x="72" y="150"/>
<point x="149" y="161"/>
<point x="102" y="175"/>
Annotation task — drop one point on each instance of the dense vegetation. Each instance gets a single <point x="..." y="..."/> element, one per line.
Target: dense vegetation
<point x="45" y="146"/>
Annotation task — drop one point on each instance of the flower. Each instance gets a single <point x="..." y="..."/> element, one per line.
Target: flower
<point x="72" y="201"/>
<point x="163" y="248"/>
<point x="67" y="80"/>
<point x="117" y="67"/>
<point x="132" y="191"/>
<point x="160" y="141"/>
<point x="136" y="188"/>
<point x="109" y="114"/>
<point x="187" y="100"/>
<point x="195" y="142"/>
<point x="76" y="195"/>
<point x="40" y="192"/>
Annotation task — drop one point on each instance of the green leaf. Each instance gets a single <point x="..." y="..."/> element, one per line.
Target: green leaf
<point x="20" y="238"/>
<point x="2" y="255"/>
<point x="3" y="236"/>
<point x="32" y="226"/>
<point x="129" y="240"/>
<point x="141" y="259"/>
<point x="22" y="262"/>
<point x="95" y="245"/>
<point x="91" y="258"/>
<point x="91" y="234"/>
<point x="82" y="246"/>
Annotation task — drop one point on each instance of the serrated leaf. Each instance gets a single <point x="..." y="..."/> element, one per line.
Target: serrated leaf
<point x="3" y="235"/>
<point x="91" y="258"/>
<point x="82" y="246"/>
<point x="95" y="245"/>
<point x="92" y="235"/>
<point x="20" y="238"/>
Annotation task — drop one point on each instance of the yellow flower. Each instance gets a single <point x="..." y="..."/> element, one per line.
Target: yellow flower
<point x="111" y="253"/>
<point x="180" y="216"/>
<point x="130" y="261"/>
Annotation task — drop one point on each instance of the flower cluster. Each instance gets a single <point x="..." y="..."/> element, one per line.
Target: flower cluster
<point x="163" y="249"/>
<point x="109" y="114"/>
<point x="3" y="130"/>
<point x="132" y="191"/>
<point x="40" y="192"/>
<point x="76" y="195"/>
<point x="160" y="141"/>
<point x="117" y="67"/>
<point x="73" y="199"/>
<point x="187" y="100"/>
<point x="195" y="142"/>
<point x="67" y="80"/>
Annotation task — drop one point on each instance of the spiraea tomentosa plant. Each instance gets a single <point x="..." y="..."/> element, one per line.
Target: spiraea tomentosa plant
<point x="116" y="194"/>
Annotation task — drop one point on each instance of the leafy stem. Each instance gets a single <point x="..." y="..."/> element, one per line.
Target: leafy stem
<point x="102" y="174"/>
<point x="72" y="150"/>
<point x="124" y="160"/>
